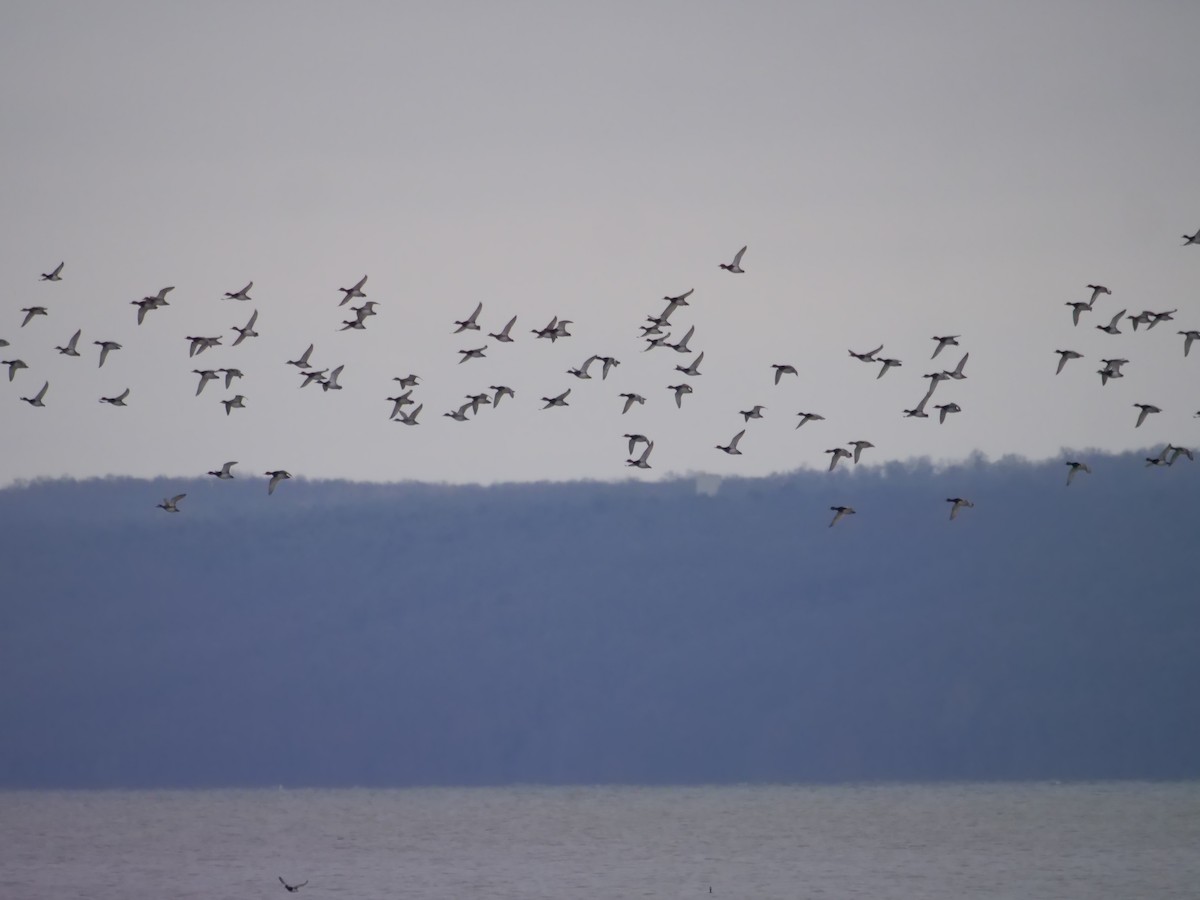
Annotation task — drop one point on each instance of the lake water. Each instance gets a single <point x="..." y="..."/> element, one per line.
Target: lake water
<point x="1126" y="841"/>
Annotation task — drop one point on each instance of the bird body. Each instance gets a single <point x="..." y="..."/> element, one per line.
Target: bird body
<point x="38" y="398"/>
<point x="106" y="347"/>
<point x="225" y="473"/>
<point x="680" y="390"/>
<point x="171" y="504"/>
<point x="238" y="402"/>
<point x="949" y="340"/>
<point x="840" y="512"/>
<point x="503" y="335"/>
<point x="836" y="454"/>
<point x="642" y="461"/>
<point x="30" y="312"/>
<point x="754" y="412"/>
<point x="411" y="418"/>
<point x="692" y="370"/>
<point x="631" y="399"/>
<point x="54" y="275"/>
<point x="248" y="331"/>
<point x="1064" y="356"/>
<point x="1111" y="327"/>
<point x="276" y="476"/>
<point x="118" y="400"/>
<point x="469" y="324"/>
<point x="957" y="503"/>
<point x="736" y="266"/>
<point x="782" y="369"/>
<point x="806" y="417"/>
<point x="243" y="294"/>
<point x="560" y="400"/>
<point x="869" y="356"/>
<point x="859" y="447"/>
<point x="477" y="353"/>
<point x="302" y="362"/>
<point x="732" y="447"/>
<point x="70" y="350"/>
<point x="1074" y="468"/>
<point x="1145" y="409"/>
<point x="352" y="292"/>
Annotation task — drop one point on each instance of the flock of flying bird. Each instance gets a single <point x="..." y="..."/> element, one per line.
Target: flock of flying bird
<point x="655" y="335"/>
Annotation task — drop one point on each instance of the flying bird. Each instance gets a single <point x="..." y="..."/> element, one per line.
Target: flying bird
<point x="501" y="390"/>
<point x="503" y="335"/>
<point x="859" y="447"/>
<point x="782" y="369"/>
<point x="206" y="375"/>
<point x="680" y="390"/>
<point x="105" y="348"/>
<point x="477" y="353"/>
<point x="1078" y="308"/>
<point x="946" y="409"/>
<point x="460" y="414"/>
<point x="1192" y="239"/>
<point x="1074" y="468"/>
<point x="13" y="366"/>
<point x="806" y="417"/>
<point x="732" y="447"/>
<point x="70" y="350"/>
<point x="351" y="293"/>
<point x="634" y="440"/>
<point x="292" y="888"/>
<point x="957" y="503"/>
<point x="869" y="356"/>
<point x="277" y="476"/>
<point x="611" y="363"/>
<point x="225" y="472"/>
<point x="1097" y="290"/>
<point x="693" y="369"/>
<point x="331" y="383"/>
<point x="243" y="294"/>
<point x="248" y="331"/>
<point x="1146" y="409"/>
<point x="171" y="505"/>
<point x="631" y="399"/>
<point x="55" y="275"/>
<point x="560" y="400"/>
<point x="231" y="374"/>
<point x="1188" y="337"/>
<point x="469" y="324"/>
<point x="837" y="454"/>
<point x="641" y="462"/>
<point x="736" y="265"/>
<point x="411" y="418"/>
<point x="682" y="346"/>
<point x="754" y="412"/>
<point x="839" y="512"/>
<point x="1064" y="356"/>
<point x="887" y="364"/>
<point x="118" y="400"/>
<point x="37" y="399"/>
<point x="582" y="371"/>
<point x="398" y="403"/>
<point x="302" y="362"/>
<point x="30" y="312"/>
<point x="408" y="381"/>
<point x="1111" y="327"/>
<point x="238" y="402"/>
<point x="957" y="372"/>
<point x="949" y="340"/>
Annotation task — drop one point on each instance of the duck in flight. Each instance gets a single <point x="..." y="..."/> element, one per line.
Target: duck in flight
<point x="634" y="440"/>
<point x="411" y="418"/>
<point x="732" y="447"/>
<point x="243" y="294"/>
<point x="70" y="350"/>
<point x="1078" y="308"/>
<point x="277" y="476"/>
<point x="501" y="390"/>
<point x="837" y="453"/>
<point x="206" y="375"/>
<point x="477" y="353"/>
<point x="680" y="390"/>
<point x="231" y="374"/>
<point x="13" y="366"/>
<point x="945" y="409"/>
<point x="302" y="362"/>
<point x="248" y="331"/>
<point x="693" y="369"/>
<point x="503" y="335"/>
<point x="469" y="323"/>
<point x="582" y="371"/>
<point x="560" y="400"/>
<point x="682" y="346"/>
<point x="806" y="417"/>
<point x="887" y="364"/>
<point x="55" y="275"/>
<point x="631" y="399"/>
<point x="1145" y="409"/>
<point x="105" y="348"/>
<point x="1192" y="239"/>
<point x="172" y="504"/>
<point x="118" y="400"/>
<point x="398" y="403"/>
<point x="40" y="396"/>
<point x="642" y="461"/>
<point x="30" y="312"/>
<point x="949" y="340"/>
<point x="957" y="503"/>
<point x="1065" y="356"/>
<point x="1097" y="290"/>
<point x="331" y="383"/>
<point x="225" y="473"/>
<point x="736" y="266"/>
<point x="292" y="888"/>
<point x="839" y="512"/>
<point x="460" y="414"/>
<point x="957" y="372"/>
<point x="869" y="356"/>
<point x="352" y="292"/>
<point x="1111" y="327"/>
<point x="754" y="412"/>
<point x="1188" y="337"/>
<point x="238" y="402"/>
<point x="782" y="369"/>
<point x="1074" y="468"/>
<point x="859" y="447"/>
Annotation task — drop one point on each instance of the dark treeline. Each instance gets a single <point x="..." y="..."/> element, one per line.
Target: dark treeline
<point x="353" y="634"/>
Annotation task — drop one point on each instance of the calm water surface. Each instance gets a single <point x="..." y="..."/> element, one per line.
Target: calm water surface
<point x="1094" y="841"/>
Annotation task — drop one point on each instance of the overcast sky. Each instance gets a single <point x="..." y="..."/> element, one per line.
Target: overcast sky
<point x="898" y="171"/>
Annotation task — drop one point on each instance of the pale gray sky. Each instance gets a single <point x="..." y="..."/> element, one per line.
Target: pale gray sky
<point x="896" y="172"/>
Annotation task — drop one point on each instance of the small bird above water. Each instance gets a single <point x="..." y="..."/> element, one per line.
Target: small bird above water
<point x="1074" y="468"/>
<point x="736" y="265"/>
<point x="118" y="400"/>
<point x="277" y="476"/>
<point x="55" y="275"/>
<point x="292" y="888"/>
<point x="171" y="505"/>
<point x="839" y="512"/>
